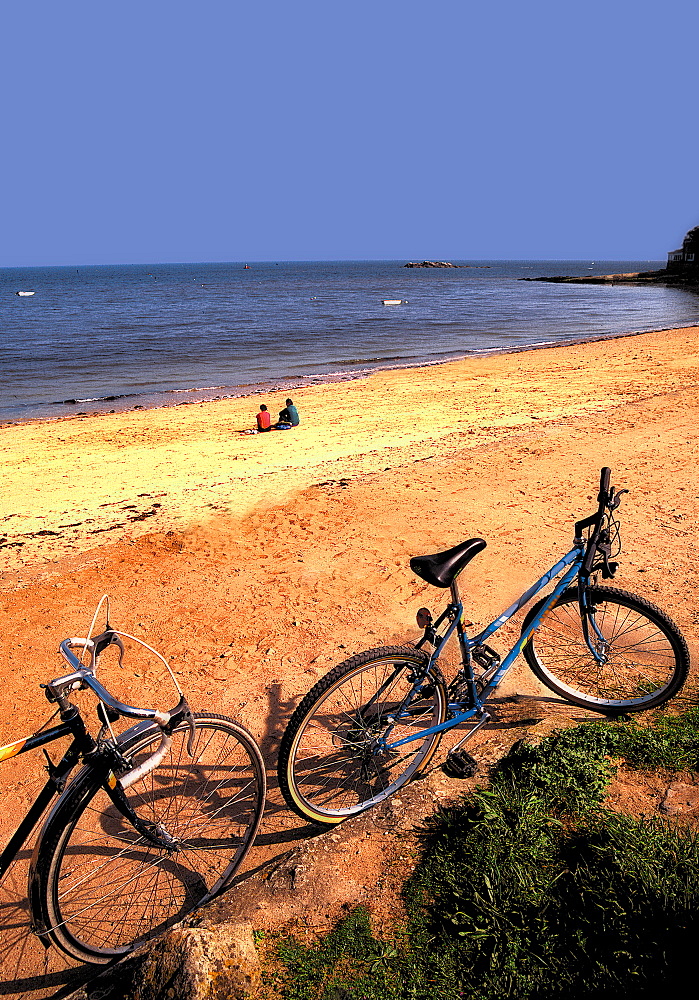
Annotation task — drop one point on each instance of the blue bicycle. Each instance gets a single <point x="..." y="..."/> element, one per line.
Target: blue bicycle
<point x="375" y="720"/>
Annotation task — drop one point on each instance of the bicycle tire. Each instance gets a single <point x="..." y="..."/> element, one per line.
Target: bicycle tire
<point x="100" y="888"/>
<point x="648" y="656"/>
<point x="330" y="766"/>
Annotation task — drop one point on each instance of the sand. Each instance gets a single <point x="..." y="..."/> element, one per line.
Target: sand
<point x="120" y="475"/>
<point x="256" y="562"/>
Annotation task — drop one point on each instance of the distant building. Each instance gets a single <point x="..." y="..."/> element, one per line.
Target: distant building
<point x="686" y="259"/>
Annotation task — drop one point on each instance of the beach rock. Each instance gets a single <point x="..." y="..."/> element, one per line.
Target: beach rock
<point x="201" y="963"/>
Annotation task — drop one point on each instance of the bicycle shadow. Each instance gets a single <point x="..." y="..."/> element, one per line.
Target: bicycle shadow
<point x="280" y="825"/>
<point x="28" y="971"/>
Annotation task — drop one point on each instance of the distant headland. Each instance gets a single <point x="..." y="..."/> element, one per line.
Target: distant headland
<point x="682" y="268"/>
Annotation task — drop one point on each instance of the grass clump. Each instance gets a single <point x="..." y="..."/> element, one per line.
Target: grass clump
<point x="349" y="963"/>
<point x="531" y="889"/>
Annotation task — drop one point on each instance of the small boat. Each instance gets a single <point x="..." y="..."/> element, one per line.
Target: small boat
<point x="392" y="302"/>
<point x="25" y="293"/>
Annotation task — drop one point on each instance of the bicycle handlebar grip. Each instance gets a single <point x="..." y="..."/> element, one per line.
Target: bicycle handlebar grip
<point x="604" y="479"/>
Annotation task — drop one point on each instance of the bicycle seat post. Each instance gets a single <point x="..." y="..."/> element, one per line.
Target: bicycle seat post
<point x="458" y="615"/>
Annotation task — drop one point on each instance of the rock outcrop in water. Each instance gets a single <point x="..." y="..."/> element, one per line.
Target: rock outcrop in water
<point x="431" y="263"/>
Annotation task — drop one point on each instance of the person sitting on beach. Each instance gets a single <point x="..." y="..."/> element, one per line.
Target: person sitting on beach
<point x="264" y="420"/>
<point x="289" y="415"/>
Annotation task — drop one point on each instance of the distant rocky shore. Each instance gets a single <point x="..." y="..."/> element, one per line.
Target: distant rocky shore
<point x="682" y="269"/>
<point x="632" y="278"/>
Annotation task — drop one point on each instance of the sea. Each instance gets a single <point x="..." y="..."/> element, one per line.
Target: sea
<point x="109" y="338"/>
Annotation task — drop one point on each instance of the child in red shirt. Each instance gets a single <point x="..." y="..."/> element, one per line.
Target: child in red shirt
<point x="264" y="421"/>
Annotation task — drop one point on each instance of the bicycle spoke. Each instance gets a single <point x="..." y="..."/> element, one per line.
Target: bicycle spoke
<point x="115" y="886"/>
<point x="340" y="762"/>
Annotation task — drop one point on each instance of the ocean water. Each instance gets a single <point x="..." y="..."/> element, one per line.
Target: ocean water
<point x="115" y="337"/>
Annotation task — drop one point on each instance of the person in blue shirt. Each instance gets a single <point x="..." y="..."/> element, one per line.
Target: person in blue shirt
<point x="289" y="415"/>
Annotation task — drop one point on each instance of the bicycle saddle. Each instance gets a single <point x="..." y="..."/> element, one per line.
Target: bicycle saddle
<point x="443" y="567"/>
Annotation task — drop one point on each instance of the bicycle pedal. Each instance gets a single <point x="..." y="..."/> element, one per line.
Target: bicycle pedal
<point x="460" y="765"/>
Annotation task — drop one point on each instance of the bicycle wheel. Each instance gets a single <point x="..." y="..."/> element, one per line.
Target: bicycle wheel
<point x="100" y="888"/>
<point x="333" y="758"/>
<point x="646" y="657"/>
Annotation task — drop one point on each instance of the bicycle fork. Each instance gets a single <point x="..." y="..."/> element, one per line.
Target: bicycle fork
<point x="587" y="617"/>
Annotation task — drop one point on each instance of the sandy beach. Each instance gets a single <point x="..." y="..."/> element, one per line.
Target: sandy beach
<point x="205" y="536"/>
<point x="255" y="562"/>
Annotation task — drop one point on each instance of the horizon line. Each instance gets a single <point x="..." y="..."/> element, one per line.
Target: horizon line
<point x="324" y="260"/>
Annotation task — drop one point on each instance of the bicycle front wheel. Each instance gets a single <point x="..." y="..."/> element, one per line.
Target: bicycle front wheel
<point x="645" y="659"/>
<point x="338" y="755"/>
<point x="101" y="888"/>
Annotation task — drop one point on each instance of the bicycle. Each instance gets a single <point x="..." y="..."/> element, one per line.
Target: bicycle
<point x="153" y="825"/>
<point x="374" y="721"/>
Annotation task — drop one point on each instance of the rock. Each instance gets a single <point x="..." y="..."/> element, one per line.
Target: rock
<point x="200" y="963"/>
<point x="680" y="798"/>
<point x="431" y="263"/>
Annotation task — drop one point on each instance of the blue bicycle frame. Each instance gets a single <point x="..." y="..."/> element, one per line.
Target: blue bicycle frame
<point x="570" y="565"/>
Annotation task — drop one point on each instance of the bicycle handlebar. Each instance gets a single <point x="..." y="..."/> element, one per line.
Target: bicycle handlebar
<point x="85" y="677"/>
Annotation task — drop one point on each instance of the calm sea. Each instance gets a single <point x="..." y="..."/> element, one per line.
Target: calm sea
<point x="111" y="338"/>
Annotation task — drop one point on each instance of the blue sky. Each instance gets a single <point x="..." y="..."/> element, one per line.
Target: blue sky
<point x="157" y="131"/>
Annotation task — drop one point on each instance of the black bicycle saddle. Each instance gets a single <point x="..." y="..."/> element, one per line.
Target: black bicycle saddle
<point x="443" y="567"/>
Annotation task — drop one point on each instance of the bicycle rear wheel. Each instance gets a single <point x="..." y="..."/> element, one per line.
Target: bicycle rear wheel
<point x="333" y="761"/>
<point x="101" y="888"/>
<point x="646" y="663"/>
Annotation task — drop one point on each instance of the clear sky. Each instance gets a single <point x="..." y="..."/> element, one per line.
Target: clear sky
<point x="217" y="130"/>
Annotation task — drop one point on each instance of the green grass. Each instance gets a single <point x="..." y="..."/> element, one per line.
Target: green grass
<point x="530" y="889"/>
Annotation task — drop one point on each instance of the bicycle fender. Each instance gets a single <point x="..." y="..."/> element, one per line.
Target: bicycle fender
<point x="39" y="919"/>
<point x="40" y="923"/>
<point x="146" y="726"/>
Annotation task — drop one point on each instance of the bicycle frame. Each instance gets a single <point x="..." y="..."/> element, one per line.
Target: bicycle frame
<point x="570" y="566"/>
<point x="82" y="747"/>
<point x="82" y="743"/>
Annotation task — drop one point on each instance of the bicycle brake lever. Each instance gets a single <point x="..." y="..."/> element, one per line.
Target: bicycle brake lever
<point x="108" y="638"/>
<point x="189" y="719"/>
<point x="615" y="498"/>
<point x="608" y="567"/>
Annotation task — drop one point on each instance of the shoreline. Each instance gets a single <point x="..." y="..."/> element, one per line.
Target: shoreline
<point x="250" y="391"/>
